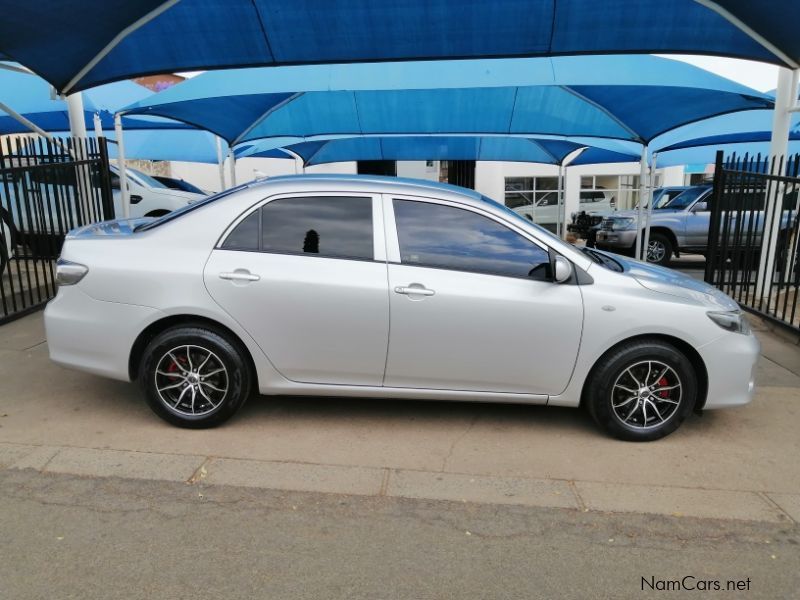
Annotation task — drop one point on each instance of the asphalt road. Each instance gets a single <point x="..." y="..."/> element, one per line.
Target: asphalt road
<point x="69" y="537"/>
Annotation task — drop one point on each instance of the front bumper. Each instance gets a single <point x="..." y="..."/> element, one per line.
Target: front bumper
<point x="91" y="335"/>
<point x="731" y="363"/>
<point x="616" y="239"/>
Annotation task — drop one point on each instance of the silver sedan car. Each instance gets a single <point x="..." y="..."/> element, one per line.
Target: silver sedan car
<point x="384" y="287"/>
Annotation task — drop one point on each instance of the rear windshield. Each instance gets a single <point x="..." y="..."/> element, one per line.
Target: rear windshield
<point x="176" y="214"/>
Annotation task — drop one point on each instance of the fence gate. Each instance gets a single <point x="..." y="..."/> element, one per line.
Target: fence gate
<point x="47" y="188"/>
<point x="761" y="275"/>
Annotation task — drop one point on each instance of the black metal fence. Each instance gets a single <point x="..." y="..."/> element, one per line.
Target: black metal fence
<point x="760" y="271"/>
<point x="47" y="188"/>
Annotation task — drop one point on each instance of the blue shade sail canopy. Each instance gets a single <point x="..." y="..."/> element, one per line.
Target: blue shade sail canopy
<point x="79" y="44"/>
<point x="518" y="149"/>
<point x="706" y="155"/>
<point x="184" y="145"/>
<point x="623" y="97"/>
<point x="33" y="98"/>
<point x="752" y="126"/>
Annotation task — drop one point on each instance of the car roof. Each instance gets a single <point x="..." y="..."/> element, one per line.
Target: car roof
<point x="370" y="183"/>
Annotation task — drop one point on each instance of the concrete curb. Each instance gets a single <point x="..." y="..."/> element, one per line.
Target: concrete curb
<point x="405" y="483"/>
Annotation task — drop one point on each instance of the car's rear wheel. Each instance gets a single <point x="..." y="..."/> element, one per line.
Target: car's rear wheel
<point x="659" y="249"/>
<point x="194" y="377"/>
<point x="641" y="391"/>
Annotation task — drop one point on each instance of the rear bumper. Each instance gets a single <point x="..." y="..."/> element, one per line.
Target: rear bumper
<point x="91" y="335"/>
<point x="731" y="363"/>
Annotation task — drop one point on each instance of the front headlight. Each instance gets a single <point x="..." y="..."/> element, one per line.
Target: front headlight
<point x="623" y="224"/>
<point x="730" y="320"/>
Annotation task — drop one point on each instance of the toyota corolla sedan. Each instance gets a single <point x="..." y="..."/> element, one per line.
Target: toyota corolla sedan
<point x="383" y="287"/>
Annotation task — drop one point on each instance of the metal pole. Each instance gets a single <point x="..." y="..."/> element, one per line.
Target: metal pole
<point x="123" y="171"/>
<point x="77" y="120"/>
<point x="640" y="214"/>
<point x="221" y="164"/>
<point x="785" y="100"/>
<point x="649" y="217"/>
<point x="98" y="127"/>
<point x="560" y="224"/>
<point x="232" y="166"/>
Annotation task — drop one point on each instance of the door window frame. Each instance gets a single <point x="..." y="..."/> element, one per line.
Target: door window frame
<point x="393" y="240"/>
<point x="378" y="228"/>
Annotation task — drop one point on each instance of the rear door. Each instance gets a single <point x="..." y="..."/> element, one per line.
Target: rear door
<point x="306" y="277"/>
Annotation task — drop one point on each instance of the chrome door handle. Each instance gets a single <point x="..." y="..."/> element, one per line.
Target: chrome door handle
<point x="239" y="275"/>
<point x="414" y="289"/>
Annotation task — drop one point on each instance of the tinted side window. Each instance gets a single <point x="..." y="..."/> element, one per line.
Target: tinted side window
<point x="325" y="226"/>
<point x="434" y="235"/>
<point x="245" y="236"/>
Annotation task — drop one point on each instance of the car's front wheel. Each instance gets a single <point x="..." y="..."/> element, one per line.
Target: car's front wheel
<point x="659" y="249"/>
<point x="194" y="376"/>
<point x="641" y="391"/>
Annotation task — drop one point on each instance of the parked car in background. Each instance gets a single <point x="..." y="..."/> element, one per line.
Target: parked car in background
<point x="682" y="225"/>
<point x="385" y="287"/>
<point x="149" y="197"/>
<point x="543" y="210"/>
<point x="179" y="184"/>
<point x="38" y="208"/>
<point x="678" y="225"/>
<point x="586" y="224"/>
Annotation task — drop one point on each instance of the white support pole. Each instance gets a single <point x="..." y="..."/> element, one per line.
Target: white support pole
<point x="649" y="216"/>
<point x="77" y="122"/>
<point x="785" y="100"/>
<point x="232" y="167"/>
<point x="640" y="214"/>
<point x="98" y="127"/>
<point x="221" y="164"/>
<point x="123" y="171"/>
<point x="560" y="228"/>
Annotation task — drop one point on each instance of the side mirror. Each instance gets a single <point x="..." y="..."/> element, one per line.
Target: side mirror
<point x="563" y="270"/>
<point x="701" y="206"/>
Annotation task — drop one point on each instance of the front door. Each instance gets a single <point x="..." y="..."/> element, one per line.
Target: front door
<point x="473" y="306"/>
<point x="306" y="277"/>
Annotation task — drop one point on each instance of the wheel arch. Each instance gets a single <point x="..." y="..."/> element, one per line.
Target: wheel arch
<point x="186" y="320"/>
<point x="698" y="364"/>
<point x="668" y="233"/>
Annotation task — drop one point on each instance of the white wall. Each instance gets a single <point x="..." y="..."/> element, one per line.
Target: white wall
<point x="206" y="176"/>
<point x="418" y="169"/>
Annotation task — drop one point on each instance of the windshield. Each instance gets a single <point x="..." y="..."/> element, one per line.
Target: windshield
<point x="603" y="259"/>
<point x="147" y="179"/>
<point x="685" y="199"/>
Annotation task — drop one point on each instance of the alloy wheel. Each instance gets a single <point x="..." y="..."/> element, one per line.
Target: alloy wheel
<point x="655" y="251"/>
<point x="646" y="394"/>
<point x="191" y="380"/>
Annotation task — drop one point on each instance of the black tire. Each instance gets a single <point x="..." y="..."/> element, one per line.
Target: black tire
<point x="662" y="242"/>
<point x="189" y="346"/>
<point x="617" y="366"/>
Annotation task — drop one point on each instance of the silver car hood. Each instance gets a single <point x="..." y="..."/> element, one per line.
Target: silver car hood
<point x="666" y="281"/>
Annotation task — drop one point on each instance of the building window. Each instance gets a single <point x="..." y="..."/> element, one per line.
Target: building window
<point x="535" y="198"/>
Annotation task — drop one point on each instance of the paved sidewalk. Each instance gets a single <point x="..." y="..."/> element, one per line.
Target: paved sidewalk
<point x="735" y="464"/>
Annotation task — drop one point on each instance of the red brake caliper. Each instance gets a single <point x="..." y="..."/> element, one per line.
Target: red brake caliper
<point x="663" y="383"/>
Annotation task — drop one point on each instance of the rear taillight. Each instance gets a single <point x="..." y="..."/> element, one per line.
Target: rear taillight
<point x="69" y="273"/>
